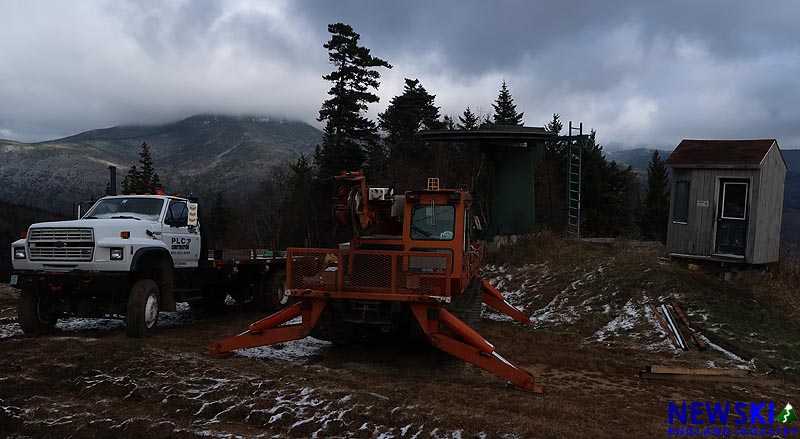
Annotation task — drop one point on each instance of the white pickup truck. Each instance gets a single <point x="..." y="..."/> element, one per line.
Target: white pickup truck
<point x="134" y="256"/>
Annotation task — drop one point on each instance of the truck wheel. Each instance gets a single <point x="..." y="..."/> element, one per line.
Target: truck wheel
<point x="271" y="295"/>
<point x="34" y="312"/>
<point x="142" y="313"/>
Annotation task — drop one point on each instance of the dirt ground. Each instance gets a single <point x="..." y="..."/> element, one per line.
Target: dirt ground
<point x="90" y="380"/>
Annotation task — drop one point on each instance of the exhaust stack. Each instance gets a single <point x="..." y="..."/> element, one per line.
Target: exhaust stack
<point x="113" y="185"/>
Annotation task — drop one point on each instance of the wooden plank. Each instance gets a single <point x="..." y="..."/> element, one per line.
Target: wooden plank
<point x="663" y="325"/>
<point x="685" y="321"/>
<point x="697" y="371"/>
<point x="705" y="378"/>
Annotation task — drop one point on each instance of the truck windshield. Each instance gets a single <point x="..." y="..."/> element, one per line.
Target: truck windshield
<point x="133" y="207"/>
<point x="433" y="223"/>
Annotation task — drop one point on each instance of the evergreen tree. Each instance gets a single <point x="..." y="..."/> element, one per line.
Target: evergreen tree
<point x="142" y="180"/>
<point x="609" y="195"/>
<point x="655" y="214"/>
<point x="301" y="204"/>
<point x="550" y="180"/>
<point x="505" y="111"/>
<point x="129" y="183"/>
<point x="468" y="120"/>
<point x="448" y="123"/>
<point x="348" y="134"/>
<point x="218" y="221"/>
<point x="408" y="114"/>
<point x="148" y="178"/>
<point x="555" y="149"/>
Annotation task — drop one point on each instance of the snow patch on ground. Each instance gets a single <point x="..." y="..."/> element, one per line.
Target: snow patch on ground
<point x="295" y="351"/>
<point x="727" y="353"/>
<point x="182" y="317"/>
<point x="560" y="310"/>
<point x="625" y="322"/>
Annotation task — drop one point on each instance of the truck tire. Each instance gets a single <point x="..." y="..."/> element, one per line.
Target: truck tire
<point x="142" y="312"/>
<point x="270" y="293"/>
<point x="33" y="313"/>
<point x="330" y="327"/>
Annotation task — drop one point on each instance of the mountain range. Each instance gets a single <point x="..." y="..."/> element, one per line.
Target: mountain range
<point x="199" y="155"/>
<point x="205" y="154"/>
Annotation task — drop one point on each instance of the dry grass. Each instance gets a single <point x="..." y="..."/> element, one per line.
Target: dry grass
<point x="758" y="312"/>
<point x="779" y="284"/>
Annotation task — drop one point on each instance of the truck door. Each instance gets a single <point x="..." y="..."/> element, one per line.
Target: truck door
<point x="183" y="243"/>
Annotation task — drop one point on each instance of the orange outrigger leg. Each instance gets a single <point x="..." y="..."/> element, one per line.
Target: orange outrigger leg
<point x="495" y="299"/>
<point x="268" y="331"/>
<point x="444" y="330"/>
<point x="472" y="347"/>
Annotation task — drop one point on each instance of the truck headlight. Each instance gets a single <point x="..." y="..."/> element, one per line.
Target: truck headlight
<point x="116" y="254"/>
<point x="19" y="252"/>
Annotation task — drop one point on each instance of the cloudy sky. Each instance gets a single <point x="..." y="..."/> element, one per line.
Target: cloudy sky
<point x="642" y="73"/>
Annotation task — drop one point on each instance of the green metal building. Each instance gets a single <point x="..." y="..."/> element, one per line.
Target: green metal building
<point x="514" y="152"/>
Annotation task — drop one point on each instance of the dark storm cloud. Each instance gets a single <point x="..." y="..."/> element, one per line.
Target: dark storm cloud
<point x="641" y="73"/>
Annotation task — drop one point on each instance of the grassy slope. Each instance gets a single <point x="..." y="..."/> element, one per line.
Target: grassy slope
<point x="600" y="295"/>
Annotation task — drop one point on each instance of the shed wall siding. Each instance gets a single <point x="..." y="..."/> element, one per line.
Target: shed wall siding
<point x="770" y="208"/>
<point x="697" y="236"/>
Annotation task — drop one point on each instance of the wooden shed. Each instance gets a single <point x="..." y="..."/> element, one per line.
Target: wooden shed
<point x="726" y="200"/>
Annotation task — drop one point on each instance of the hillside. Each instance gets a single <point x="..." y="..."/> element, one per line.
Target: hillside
<point x="202" y="154"/>
<point x="637" y="158"/>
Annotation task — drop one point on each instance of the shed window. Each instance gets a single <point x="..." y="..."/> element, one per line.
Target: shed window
<point x="680" y="212"/>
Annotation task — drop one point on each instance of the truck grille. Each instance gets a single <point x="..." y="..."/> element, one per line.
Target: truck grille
<point x="61" y="244"/>
<point x="64" y="235"/>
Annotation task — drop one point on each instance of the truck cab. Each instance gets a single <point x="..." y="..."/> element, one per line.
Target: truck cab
<point x="121" y="257"/>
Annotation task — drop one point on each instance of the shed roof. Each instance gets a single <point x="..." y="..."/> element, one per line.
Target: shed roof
<point x="720" y="152"/>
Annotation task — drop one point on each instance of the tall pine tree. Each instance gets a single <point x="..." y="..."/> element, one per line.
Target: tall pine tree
<point x="148" y="178"/>
<point x="129" y="184"/>
<point x="655" y="215"/>
<point x="505" y="111"/>
<point x="219" y="222"/>
<point x="144" y="179"/>
<point x="302" y="204"/>
<point x="348" y="134"/>
<point x="408" y="114"/>
<point x="609" y="195"/>
<point x="468" y="120"/>
<point x="550" y="180"/>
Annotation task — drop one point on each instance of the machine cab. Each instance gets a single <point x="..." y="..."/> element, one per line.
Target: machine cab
<point x="439" y="220"/>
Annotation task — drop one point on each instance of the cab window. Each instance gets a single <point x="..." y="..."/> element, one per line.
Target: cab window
<point x="433" y="223"/>
<point x="177" y="214"/>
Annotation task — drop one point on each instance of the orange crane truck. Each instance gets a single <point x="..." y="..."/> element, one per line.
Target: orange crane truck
<point x="412" y="264"/>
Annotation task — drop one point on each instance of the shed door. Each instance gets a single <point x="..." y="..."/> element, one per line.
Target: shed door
<point x="732" y="216"/>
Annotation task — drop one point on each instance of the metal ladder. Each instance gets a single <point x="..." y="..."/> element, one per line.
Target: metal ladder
<point x="575" y="145"/>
